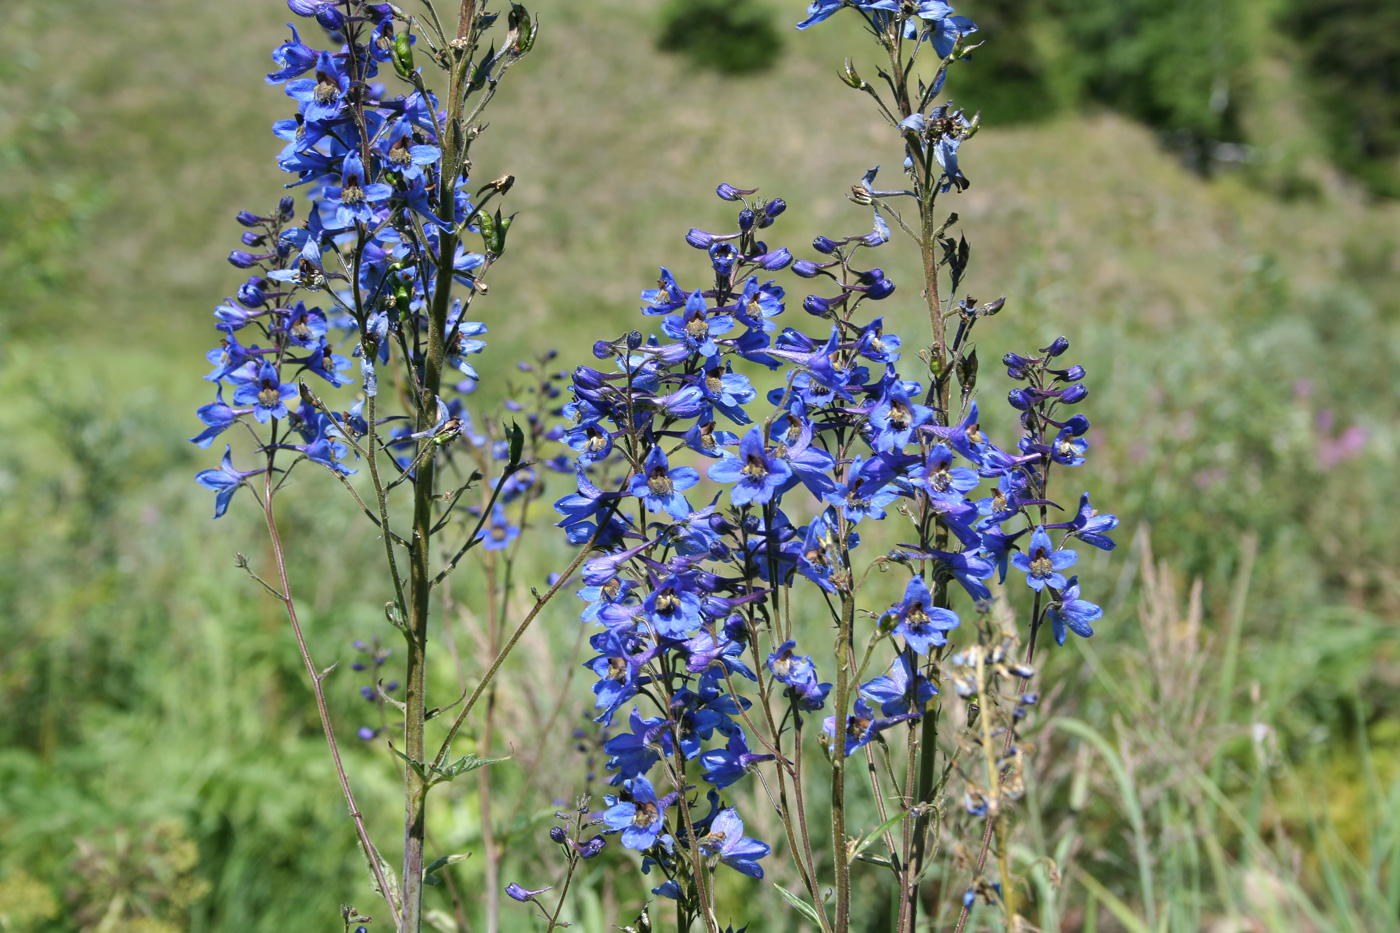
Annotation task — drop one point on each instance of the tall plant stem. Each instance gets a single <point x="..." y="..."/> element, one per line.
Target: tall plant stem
<point x="420" y="577"/>
<point x="376" y="865"/>
<point x="838" y="765"/>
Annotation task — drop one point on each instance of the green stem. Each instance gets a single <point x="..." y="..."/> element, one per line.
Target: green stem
<point x="419" y="570"/>
<point x="838" y="765"/>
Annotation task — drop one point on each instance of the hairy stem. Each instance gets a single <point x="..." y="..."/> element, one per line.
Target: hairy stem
<point x="371" y="854"/>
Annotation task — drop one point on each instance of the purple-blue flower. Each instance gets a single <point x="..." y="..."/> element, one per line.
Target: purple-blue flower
<point x="727" y="842"/>
<point x="224" y="482"/>
<point x="1042" y="564"/>
<point x="920" y="622"/>
<point x="660" y="486"/>
<point x="755" y="472"/>
<point x="1072" y="613"/>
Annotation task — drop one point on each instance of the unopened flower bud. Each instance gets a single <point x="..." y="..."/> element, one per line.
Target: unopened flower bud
<point x="242" y="259"/>
<point x="746" y="219"/>
<point x="824" y="245"/>
<point x="248" y="218"/>
<point x="731" y="193"/>
<point x="1075" y="393"/>
<point x="286" y="208"/>
<point x="558" y="835"/>
<point x="849" y="76"/>
<point x="1059" y="346"/>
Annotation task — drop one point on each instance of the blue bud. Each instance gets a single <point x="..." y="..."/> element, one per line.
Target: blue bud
<point x="1018" y="400"/>
<point x="746" y="218"/>
<point x="1073" y="374"/>
<point x="241" y="259"/>
<point x="774" y="207"/>
<point x="557" y="834"/>
<point x="1060" y="345"/>
<point x="286" y="208"/>
<point x="248" y="218"/>
<point x="816" y="306"/>
<point x="806" y="268"/>
<point x="1074" y="393"/>
<point x="824" y="245"/>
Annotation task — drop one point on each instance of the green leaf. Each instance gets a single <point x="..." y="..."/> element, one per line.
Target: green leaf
<point x="464" y="765"/>
<point x="517" y="443"/>
<point x="430" y="873"/>
<point x="879" y="831"/>
<point x="799" y="905"/>
<point x="417" y="766"/>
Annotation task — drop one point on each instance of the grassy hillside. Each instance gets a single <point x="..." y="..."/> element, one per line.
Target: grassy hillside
<point x="1240" y="345"/>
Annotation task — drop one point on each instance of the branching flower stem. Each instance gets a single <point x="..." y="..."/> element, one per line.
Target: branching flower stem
<point x="371" y="854"/>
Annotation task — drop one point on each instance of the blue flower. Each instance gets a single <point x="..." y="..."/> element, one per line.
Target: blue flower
<point x="217" y="418"/>
<point x="724" y="766"/>
<point x="756" y="472"/>
<point x="920" y="622"/>
<point x="1043" y="564"/>
<point x="637" y="813"/>
<point x="862" y="725"/>
<point x="498" y="533"/>
<point x="1088" y="526"/>
<point x="267" y="394"/>
<point x="323" y="97"/>
<point x="224" y="482"/>
<point x="903" y="690"/>
<point x="660" y="485"/>
<point x="727" y="842"/>
<point x="1070" y="612"/>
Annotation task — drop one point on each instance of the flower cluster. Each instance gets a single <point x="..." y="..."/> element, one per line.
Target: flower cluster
<point x="367" y="262"/>
<point x="693" y="577"/>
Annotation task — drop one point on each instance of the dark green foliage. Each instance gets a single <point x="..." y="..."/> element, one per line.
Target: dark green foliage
<point x="1180" y="66"/>
<point x="731" y="36"/>
<point x="1013" y="79"/>
<point x="1351" y="49"/>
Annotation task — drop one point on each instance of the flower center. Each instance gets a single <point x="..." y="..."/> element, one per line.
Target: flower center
<point x="754" y="468"/>
<point x="646" y="814"/>
<point x="900" y="416"/>
<point x="399" y="154"/>
<point x="269" y="395"/>
<point x="697" y="327"/>
<point x="1041" y="565"/>
<point x="326" y="89"/>
<point x="712" y="382"/>
<point x="659" y="483"/>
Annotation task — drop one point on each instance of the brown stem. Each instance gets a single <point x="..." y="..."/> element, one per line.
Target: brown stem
<point x="366" y="846"/>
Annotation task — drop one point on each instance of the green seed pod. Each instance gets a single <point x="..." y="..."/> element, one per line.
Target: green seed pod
<point x="403" y="55"/>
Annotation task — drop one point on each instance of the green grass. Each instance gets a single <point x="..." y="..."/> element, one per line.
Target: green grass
<point x="144" y="677"/>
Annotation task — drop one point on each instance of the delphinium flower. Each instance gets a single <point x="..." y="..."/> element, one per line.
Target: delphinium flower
<point x="692" y="576"/>
<point x="354" y="338"/>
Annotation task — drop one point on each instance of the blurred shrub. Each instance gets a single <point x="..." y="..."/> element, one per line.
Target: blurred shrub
<point x="1351" y="50"/>
<point x="731" y="36"/>
<point x="1180" y="66"/>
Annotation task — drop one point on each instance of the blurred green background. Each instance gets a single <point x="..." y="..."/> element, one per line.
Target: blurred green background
<point x="1197" y="192"/>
